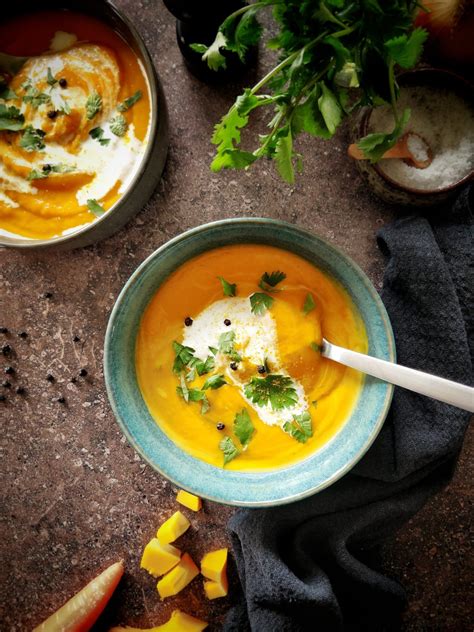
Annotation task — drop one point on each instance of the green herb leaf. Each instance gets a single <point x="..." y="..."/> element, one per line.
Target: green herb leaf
<point x="213" y="350"/>
<point x="243" y="427"/>
<point x="37" y="175"/>
<point x="229" y="289"/>
<point x="284" y="155"/>
<point x="7" y="93"/>
<point x="183" y="355"/>
<point x="95" y="208"/>
<point x="269" y="281"/>
<point x="118" y="125"/>
<point x="183" y="389"/>
<point x="50" y="78"/>
<point x="32" y="139"/>
<point x="375" y="145"/>
<point x="193" y="395"/>
<point x="309" y="304"/>
<point x="98" y="134"/>
<point x="129" y="101"/>
<point x="229" y="449"/>
<point x="214" y="382"/>
<point x="330" y="108"/>
<point x="213" y="56"/>
<point x="93" y="105"/>
<point x="198" y="48"/>
<point x="203" y="367"/>
<point x="34" y="96"/>
<point x="315" y="347"/>
<point x="300" y="428"/>
<point x="405" y="49"/>
<point x="11" y="118"/>
<point x="260" y="302"/>
<point x="274" y="389"/>
<point x="48" y="169"/>
<point x="227" y="345"/>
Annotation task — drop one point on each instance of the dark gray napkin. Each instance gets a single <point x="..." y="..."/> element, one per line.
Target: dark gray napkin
<point x="305" y="566"/>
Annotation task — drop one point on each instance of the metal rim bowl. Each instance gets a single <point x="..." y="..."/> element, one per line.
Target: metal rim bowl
<point x="153" y="161"/>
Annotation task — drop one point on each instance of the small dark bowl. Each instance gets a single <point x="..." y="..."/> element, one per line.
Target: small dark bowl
<point x="153" y="161"/>
<point x="385" y="187"/>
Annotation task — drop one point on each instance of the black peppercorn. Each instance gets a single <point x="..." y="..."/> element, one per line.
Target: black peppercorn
<point x="63" y="82"/>
<point x="261" y="369"/>
<point x="52" y="114"/>
<point x="6" y="384"/>
<point x="20" y="390"/>
<point x="188" y="321"/>
<point x="47" y="294"/>
<point x="46" y="168"/>
<point x="9" y="370"/>
<point x="2" y="398"/>
<point x="3" y="330"/>
<point x="220" y="426"/>
<point x="76" y="338"/>
<point x="50" y="377"/>
<point x="23" y="334"/>
<point x="6" y="350"/>
<point x="61" y="400"/>
<point x="83" y="372"/>
<point x="227" y="322"/>
<point x="233" y="366"/>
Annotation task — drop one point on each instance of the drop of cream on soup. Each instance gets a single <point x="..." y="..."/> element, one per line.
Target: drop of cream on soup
<point x="256" y="340"/>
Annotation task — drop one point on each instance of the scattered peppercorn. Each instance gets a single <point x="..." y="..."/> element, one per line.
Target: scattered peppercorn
<point x="233" y="366"/>
<point x="220" y="426"/>
<point x="61" y="400"/>
<point x="50" y="377"/>
<point x="6" y="384"/>
<point x="76" y="338"/>
<point x="2" y="398"/>
<point x="83" y="372"/>
<point x="46" y="168"/>
<point x="52" y="114"/>
<point x="261" y="369"/>
<point x="20" y="390"/>
<point x="188" y="321"/>
<point x="3" y="330"/>
<point x="6" y="350"/>
<point x="9" y="370"/>
<point x="23" y="334"/>
<point x="63" y="82"/>
<point x="47" y="294"/>
<point x="227" y="322"/>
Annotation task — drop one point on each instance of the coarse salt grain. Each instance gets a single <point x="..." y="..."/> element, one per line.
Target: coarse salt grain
<point x="446" y="122"/>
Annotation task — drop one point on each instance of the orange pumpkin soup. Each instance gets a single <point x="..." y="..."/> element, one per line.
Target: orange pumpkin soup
<point x="74" y="123"/>
<point x="228" y="357"/>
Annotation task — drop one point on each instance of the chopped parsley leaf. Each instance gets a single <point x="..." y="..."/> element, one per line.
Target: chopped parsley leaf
<point x="309" y="304"/>
<point x="93" y="105"/>
<point x="274" y="389"/>
<point x="243" y="427"/>
<point x="300" y="428"/>
<point x="129" y="101"/>
<point x="260" y="302"/>
<point x="269" y="281"/>
<point x="183" y="355"/>
<point x="95" y="208"/>
<point x="7" y="93"/>
<point x="227" y="345"/>
<point x="32" y="139"/>
<point x="34" y="96"/>
<point x="214" y="382"/>
<point x="213" y="350"/>
<point x="229" y="289"/>
<point x="97" y="133"/>
<point x="315" y="347"/>
<point x="229" y="449"/>
<point x="118" y="125"/>
<point x="50" y="78"/>
<point x="11" y="118"/>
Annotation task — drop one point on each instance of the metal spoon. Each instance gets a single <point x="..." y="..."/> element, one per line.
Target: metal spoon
<point x="424" y="383"/>
<point x="10" y="64"/>
<point x="401" y="149"/>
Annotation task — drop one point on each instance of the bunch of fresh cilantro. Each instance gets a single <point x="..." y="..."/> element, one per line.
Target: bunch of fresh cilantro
<point x="334" y="55"/>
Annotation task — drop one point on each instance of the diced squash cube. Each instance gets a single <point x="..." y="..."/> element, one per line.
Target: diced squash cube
<point x="189" y="500"/>
<point x="214" y="590"/>
<point x="172" y="528"/>
<point x="178" y="578"/>
<point x="178" y="622"/>
<point x="159" y="558"/>
<point x="214" y="565"/>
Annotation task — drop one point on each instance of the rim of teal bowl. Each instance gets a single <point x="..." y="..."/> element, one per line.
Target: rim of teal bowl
<point x="338" y="473"/>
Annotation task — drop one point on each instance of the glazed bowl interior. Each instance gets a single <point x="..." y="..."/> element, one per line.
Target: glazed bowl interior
<point x="257" y="488"/>
<point x="128" y="204"/>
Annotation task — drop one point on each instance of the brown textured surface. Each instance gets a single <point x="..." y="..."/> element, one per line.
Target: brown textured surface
<point x="75" y="496"/>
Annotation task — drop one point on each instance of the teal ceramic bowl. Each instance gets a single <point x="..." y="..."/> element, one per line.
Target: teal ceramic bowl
<point x="251" y="489"/>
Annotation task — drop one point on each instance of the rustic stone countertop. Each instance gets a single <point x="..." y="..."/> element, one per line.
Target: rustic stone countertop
<point x="75" y="496"/>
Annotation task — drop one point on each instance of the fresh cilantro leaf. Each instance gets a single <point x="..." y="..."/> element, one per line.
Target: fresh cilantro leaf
<point x="93" y="105"/>
<point x="32" y="139"/>
<point x="274" y="389"/>
<point x="260" y="302"/>
<point x="183" y="355"/>
<point x="375" y="145"/>
<point x="193" y="395"/>
<point x="307" y="117"/>
<point x="97" y="133"/>
<point x="315" y="347"/>
<point x="229" y="449"/>
<point x="63" y="106"/>
<point x="232" y="159"/>
<point x="309" y="304"/>
<point x="205" y="405"/>
<point x="118" y="125"/>
<point x="330" y="108"/>
<point x="129" y="101"/>
<point x="227" y="131"/>
<point x="95" y="208"/>
<point x="347" y="77"/>
<point x="269" y="281"/>
<point x="7" y="93"/>
<point x="242" y="33"/>
<point x="35" y="97"/>
<point x="203" y="367"/>
<point x="300" y="428"/>
<point x="11" y="118"/>
<point x="213" y="350"/>
<point x="183" y="389"/>
<point x="50" y="78"/>
<point x="243" y="427"/>
<point x="37" y="175"/>
<point x="229" y="289"/>
<point x="226" y="342"/>
<point x="48" y="169"/>
<point x="198" y="48"/>
<point x="405" y="49"/>
<point x="284" y="155"/>
<point x="247" y="101"/>
<point x="214" y="382"/>
<point x="213" y="56"/>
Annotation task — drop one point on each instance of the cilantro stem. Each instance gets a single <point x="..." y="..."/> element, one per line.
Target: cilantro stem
<point x="244" y="9"/>
<point x="391" y="81"/>
<point x="346" y="31"/>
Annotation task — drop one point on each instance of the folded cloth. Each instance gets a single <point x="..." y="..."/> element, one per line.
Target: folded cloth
<point x="304" y="566"/>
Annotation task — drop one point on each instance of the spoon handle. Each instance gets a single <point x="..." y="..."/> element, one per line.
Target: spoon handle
<point x="424" y="383"/>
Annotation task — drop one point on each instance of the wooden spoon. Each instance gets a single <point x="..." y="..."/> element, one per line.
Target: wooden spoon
<point x="402" y="149"/>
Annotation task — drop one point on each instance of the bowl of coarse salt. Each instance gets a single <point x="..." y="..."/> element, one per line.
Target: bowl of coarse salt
<point x="440" y="131"/>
